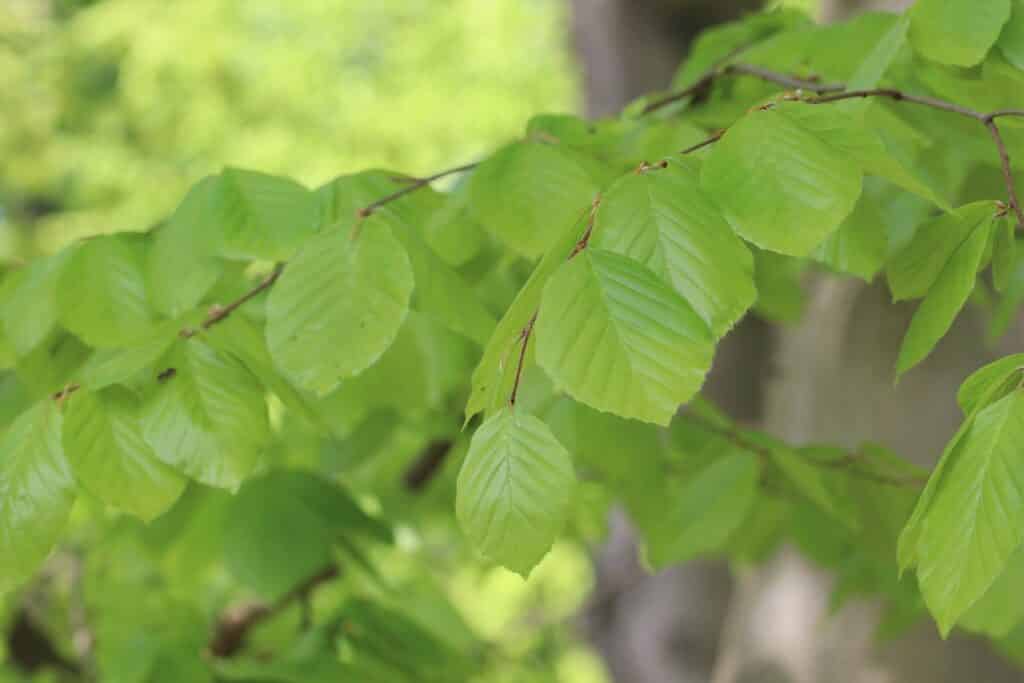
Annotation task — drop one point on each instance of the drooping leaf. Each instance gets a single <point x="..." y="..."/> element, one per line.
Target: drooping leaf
<point x="946" y="297"/>
<point x="1001" y="608"/>
<point x="102" y="439"/>
<point x="619" y="339"/>
<point x="492" y="379"/>
<point x="36" y="492"/>
<point x="514" y="490"/>
<point x="207" y="418"/>
<point x="527" y="192"/>
<point x="338" y="305"/>
<point x="976" y="521"/>
<point x="957" y="32"/>
<point x="662" y="219"/>
<point x="102" y="292"/>
<point x="779" y="185"/>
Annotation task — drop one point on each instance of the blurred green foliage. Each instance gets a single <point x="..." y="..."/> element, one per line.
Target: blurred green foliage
<point x="111" y="108"/>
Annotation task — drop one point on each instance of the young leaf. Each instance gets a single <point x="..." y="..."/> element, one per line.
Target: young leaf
<point x="36" y="492"/>
<point x="265" y="217"/>
<point x="662" y="219"/>
<point x="102" y="438"/>
<point x="946" y="297"/>
<point x="957" y="32"/>
<point x="338" y="305"/>
<point x="917" y="266"/>
<point x="619" y="339"/>
<point x="184" y="262"/>
<point x="976" y="521"/>
<point x="878" y="59"/>
<point x="102" y="292"/>
<point x="779" y="185"/>
<point x="1001" y="608"/>
<point x="527" y="192"/>
<point x="28" y="302"/>
<point x="990" y="383"/>
<point x="514" y="490"/>
<point x="207" y="419"/>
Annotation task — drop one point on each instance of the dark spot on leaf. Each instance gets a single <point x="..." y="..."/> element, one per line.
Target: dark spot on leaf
<point x="167" y="374"/>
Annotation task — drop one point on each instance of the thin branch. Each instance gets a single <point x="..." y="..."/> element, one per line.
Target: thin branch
<point x="413" y="185"/>
<point x="524" y="337"/>
<point x="715" y="137"/>
<point x="900" y="96"/>
<point x="220" y="313"/>
<point x="426" y="466"/>
<point x="700" y="84"/>
<point x="999" y="113"/>
<point x="1004" y="160"/>
<point x="782" y="79"/>
<point x="234" y="624"/>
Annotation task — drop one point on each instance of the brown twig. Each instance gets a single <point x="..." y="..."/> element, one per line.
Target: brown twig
<point x="524" y="337"/>
<point x="236" y="622"/>
<point x="219" y="313"/>
<point x="900" y="96"/>
<point x="715" y="137"/>
<point x="1004" y="160"/>
<point x="426" y="466"/>
<point x="413" y="185"/>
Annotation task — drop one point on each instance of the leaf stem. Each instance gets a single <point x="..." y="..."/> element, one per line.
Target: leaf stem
<point x="413" y="185"/>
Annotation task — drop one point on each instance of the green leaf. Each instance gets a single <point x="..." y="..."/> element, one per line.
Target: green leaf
<point x="207" y="419"/>
<point x="281" y="527"/>
<point x="102" y="438"/>
<point x="1004" y="254"/>
<point x="916" y="267"/>
<point x="619" y="339"/>
<point x="116" y="366"/>
<point x="990" y="383"/>
<point x="492" y="379"/>
<point x="265" y="217"/>
<point x="881" y="55"/>
<point x="780" y="292"/>
<point x="28" y="302"/>
<point x="36" y="492"/>
<point x="1011" y="41"/>
<point x="957" y="32"/>
<point x="778" y="184"/>
<point x="183" y="263"/>
<point x="1001" y="608"/>
<point x="976" y="521"/>
<point x="527" y="192"/>
<point x="860" y="244"/>
<point x="338" y="305"/>
<point x="514" y="490"/>
<point x="809" y="479"/>
<point x="946" y="297"/>
<point x="102" y="292"/>
<point x="700" y="515"/>
<point x="662" y="219"/>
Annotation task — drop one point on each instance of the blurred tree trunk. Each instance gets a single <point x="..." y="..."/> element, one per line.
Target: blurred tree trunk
<point x="694" y="623"/>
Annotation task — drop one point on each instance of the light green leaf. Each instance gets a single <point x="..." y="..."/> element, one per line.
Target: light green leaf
<point x="946" y="297"/>
<point x="265" y="217"/>
<point x="492" y="379"/>
<point x="957" y="32"/>
<point x="115" y="366"/>
<point x="662" y="219"/>
<point x="183" y="263"/>
<point x="976" y="521"/>
<point x="809" y="480"/>
<point x="700" y="515"/>
<point x="514" y="490"/>
<point x="990" y="383"/>
<point x="28" y="302"/>
<point x="208" y="419"/>
<point x="778" y="184"/>
<point x="103" y="441"/>
<point x="338" y="305"/>
<point x="780" y="292"/>
<point x="1004" y="254"/>
<point x="527" y="192"/>
<point x="916" y="267"/>
<point x="1002" y="606"/>
<point x="1011" y="41"/>
<point x="859" y="246"/>
<point x="881" y="55"/>
<point x="36" y="492"/>
<point x="102" y="292"/>
<point x="619" y="339"/>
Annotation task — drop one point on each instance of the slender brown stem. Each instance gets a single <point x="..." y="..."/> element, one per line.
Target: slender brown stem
<point x="715" y="137"/>
<point x="413" y="185"/>
<point x="900" y="96"/>
<point x="782" y="79"/>
<point x="219" y="313"/>
<point x="1004" y="160"/>
<point x="999" y="113"/>
<point x="700" y="84"/>
<point x="524" y="337"/>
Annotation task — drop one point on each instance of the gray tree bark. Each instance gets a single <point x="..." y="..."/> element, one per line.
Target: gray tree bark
<point x="827" y="379"/>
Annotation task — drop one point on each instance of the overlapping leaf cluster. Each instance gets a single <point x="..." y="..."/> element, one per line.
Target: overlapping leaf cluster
<point x="279" y="343"/>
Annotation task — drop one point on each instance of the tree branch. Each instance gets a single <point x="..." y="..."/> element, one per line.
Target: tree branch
<point x="426" y="466"/>
<point x="236" y="622"/>
<point x="413" y="185"/>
